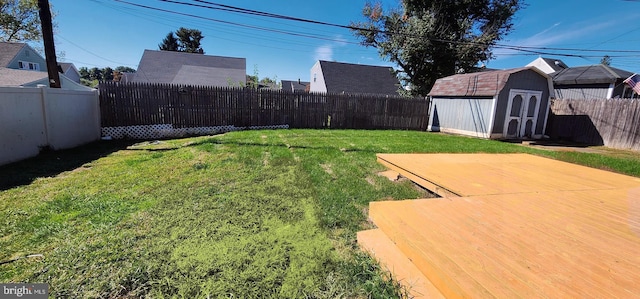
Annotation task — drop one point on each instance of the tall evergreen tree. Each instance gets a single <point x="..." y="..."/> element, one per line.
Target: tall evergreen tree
<point x="189" y="40"/>
<point x="183" y="40"/>
<point x="169" y="43"/>
<point x="430" y="39"/>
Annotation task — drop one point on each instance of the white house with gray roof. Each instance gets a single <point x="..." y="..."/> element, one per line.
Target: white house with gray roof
<point x="340" y="77"/>
<point x="21" y="65"/>
<point x="190" y="69"/>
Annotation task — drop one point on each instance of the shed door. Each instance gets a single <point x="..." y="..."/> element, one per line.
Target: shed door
<point x="522" y="113"/>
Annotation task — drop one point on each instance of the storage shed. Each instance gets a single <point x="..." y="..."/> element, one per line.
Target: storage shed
<point x="500" y="104"/>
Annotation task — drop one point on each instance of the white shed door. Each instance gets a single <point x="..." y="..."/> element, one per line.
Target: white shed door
<point x="522" y="113"/>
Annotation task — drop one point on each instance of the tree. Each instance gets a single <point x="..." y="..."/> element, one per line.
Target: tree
<point x="19" y="21"/>
<point x="84" y="72"/>
<point x="125" y="69"/>
<point x="169" y="43"/>
<point x="430" y="39"/>
<point x="188" y="40"/>
<point x="95" y="73"/>
<point x="107" y="74"/>
<point x="606" y="60"/>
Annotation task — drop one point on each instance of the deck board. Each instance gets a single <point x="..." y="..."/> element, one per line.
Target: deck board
<point x="524" y="226"/>
<point x="486" y="174"/>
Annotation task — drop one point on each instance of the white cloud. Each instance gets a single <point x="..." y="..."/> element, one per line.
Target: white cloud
<point x="324" y="52"/>
<point x="553" y="36"/>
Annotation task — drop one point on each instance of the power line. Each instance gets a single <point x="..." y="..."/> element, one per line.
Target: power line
<point x="537" y="50"/>
<point x="234" y="23"/>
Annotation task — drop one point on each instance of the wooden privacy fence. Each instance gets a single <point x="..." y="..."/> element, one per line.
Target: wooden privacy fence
<point x="135" y="104"/>
<point x="610" y="122"/>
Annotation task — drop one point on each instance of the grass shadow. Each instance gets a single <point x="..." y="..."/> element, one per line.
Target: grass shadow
<point x="51" y="163"/>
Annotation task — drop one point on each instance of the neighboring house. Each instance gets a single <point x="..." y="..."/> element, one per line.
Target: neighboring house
<point x="21" y="65"/>
<point x="126" y="77"/>
<point x="190" y="69"/>
<point x="24" y="78"/>
<point x="591" y="82"/>
<point x="294" y="86"/>
<point x="21" y="56"/>
<point x="509" y="104"/>
<point x="70" y="71"/>
<point x="339" y="77"/>
<point x="548" y="65"/>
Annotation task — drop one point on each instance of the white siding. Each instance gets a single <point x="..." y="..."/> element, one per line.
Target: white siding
<point x="462" y="116"/>
<point x="317" y="79"/>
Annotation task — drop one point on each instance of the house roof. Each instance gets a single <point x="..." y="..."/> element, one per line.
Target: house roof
<point x="554" y="64"/>
<point x="12" y="77"/>
<point x="66" y="66"/>
<point x="8" y="52"/>
<point x="592" y="74"/>
<point x="488" y="83"/>
<point x="357" y="78"/>
<point x="186" y="68"/>
<point x="294" y="85"/>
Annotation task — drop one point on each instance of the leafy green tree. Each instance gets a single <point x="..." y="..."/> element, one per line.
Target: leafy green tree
<point x="125" y="69"/>
<point x="19" y="21"/>
<point x="169" y="43"/>
<point x="189" y="40"/>
<point x="107" y="74"/>
<point x="430" y="39"/>
<point x="84" y="72"/>
<point x="95" y="73"/>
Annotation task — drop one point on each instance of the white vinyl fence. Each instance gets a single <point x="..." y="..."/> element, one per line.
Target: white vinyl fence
<point x="35" y="118"/>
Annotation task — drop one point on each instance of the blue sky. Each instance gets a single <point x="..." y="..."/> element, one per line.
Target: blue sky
<point x="109" y="33"/>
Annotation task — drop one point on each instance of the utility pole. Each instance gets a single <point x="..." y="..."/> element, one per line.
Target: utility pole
<point x="49" y="47"/>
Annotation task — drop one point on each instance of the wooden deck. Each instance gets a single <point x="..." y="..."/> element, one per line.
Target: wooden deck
<point x="526" y="227"/>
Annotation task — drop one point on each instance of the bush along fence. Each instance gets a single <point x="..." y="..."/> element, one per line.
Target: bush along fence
<point x="611" y="122"/>
<point x="147" y="111"/>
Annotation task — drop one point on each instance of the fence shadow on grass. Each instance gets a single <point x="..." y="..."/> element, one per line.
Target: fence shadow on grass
<point x="51" y="163"/>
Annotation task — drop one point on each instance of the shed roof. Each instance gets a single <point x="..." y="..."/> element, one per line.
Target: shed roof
<point x="359" y="78"/>
<point x="8" y="52"/>
<point x="591" y="74"/>
<point x="479" y="84"/>
<point x="186" y="68"/>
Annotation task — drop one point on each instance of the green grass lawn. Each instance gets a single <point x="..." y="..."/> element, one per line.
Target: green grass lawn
<point x="243" y="215"/>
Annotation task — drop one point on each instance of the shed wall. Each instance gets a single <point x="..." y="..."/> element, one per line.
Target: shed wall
<point x="467" y="116"/>
<point x="525" y="80"/>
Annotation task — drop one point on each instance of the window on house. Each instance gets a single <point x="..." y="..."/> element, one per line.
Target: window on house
<point x="25" y="65"/>
<point x="314" y="77"/>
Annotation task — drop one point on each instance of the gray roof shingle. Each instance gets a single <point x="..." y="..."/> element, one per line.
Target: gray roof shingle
<point x="294" y="85"/>
<point x="189" y="68"/>
<point x="11" y="77"/>
<point x="592" y="74"/>
<point x="357" y="78"/>
<point x="8" y="51"/>
<point x="487" y="83"/>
